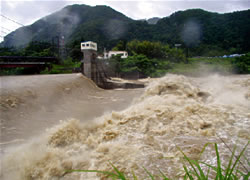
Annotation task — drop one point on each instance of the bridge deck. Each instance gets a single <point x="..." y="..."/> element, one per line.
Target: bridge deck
<point x="25" y="61"/>
<point x="21" y="64"/>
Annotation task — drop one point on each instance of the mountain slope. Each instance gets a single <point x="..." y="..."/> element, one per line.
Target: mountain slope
<point x="67" y="23"/>
<point x="195" y="28"/>
<point x="230" y="30"/>
<point x="153" y="20"/>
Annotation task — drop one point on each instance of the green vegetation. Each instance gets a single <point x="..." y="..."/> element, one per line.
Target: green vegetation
<point x="147" y="48"/>
<point x="13" y="71"/>
<point x="151" y="47"/>
<point x="138" y="63"/>
<point x="39" y="49"/>
<point x="155" y="59"/>
<point x="67" y="66"/>
<point x="147" y="58"/>
<point x="203" y="33"/>
<point x="242" y="64"/>
<point x="203" y="66"/>
<point x="7" y="51"/>
<point x="34" y="48"/>
<point x="193" y="169"/>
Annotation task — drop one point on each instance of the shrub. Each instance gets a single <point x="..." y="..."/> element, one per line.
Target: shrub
<point x="242" y="64"/>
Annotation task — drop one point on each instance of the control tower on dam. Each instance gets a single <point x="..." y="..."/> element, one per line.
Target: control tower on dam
<point x="91" y="68"/>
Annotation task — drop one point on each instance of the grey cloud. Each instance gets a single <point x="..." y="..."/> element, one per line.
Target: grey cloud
<point x="26" y="12"/>
<point x="166" y="8"/>
<point x="191" y="33"/>
<point x="115" y="29"/>
<point x="127" y="9"/>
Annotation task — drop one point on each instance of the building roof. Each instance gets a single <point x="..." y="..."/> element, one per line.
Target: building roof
<point x="117" y="51"/>
<point x="88" y="42"/>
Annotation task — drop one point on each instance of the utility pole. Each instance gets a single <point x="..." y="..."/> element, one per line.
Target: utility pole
<point x="60" y="42"/>
<point x="55" y="45"/>
<point x="62" y="53"/>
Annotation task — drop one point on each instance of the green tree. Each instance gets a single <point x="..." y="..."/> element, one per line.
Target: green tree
<point x="147" y="58"/>
<point x="116" y="64"/>
<point x="9" y="51"/>
<point x="174" y="54"/>
<point x="75" y="50"/>
<point x="242" y="64"/>
<point x="41" y="49"/>
<point x="139" y="63"/>
<point x="147" y="48"/>
<point x="120" y="46"/>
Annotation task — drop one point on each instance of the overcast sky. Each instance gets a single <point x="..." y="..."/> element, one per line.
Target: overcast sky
<point x="28" y="11"/>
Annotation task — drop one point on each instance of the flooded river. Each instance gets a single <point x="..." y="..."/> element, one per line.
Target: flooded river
<point x="130" y="128"/>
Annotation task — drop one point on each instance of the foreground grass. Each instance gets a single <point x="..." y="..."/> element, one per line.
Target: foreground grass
<point x="192" y="168"/>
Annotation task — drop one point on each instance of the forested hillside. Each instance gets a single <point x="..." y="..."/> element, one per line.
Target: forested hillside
<point x="75" y="22"/>
<point x="204" y="33"/>
<point x="204" y="30"/>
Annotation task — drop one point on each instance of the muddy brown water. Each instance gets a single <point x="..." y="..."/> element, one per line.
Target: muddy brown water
<point x="52" y="123"/>
<point x="30" y="104"/>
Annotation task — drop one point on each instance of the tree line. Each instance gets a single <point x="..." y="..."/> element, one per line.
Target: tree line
<point x="145" y="57"/>
<point x="203" y="33"/>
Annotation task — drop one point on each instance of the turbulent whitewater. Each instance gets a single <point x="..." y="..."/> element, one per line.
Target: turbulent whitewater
<point x="173" y="111"/>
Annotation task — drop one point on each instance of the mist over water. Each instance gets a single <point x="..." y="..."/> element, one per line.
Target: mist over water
<point x="191" y="33"/>
<point x="115" y="29"/>
<point x="173" y="111"/>
<point x="62" y="22"/>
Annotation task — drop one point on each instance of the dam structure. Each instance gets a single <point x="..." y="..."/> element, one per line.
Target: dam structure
<point x="92" y="68"/>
